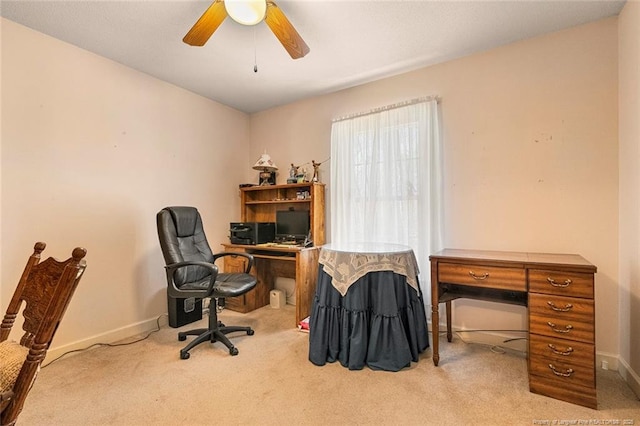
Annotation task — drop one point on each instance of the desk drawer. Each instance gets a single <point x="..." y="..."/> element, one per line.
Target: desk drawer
<point x="235" y="263"/>
<point x="573" y="284"/>
<point x="574" y="327"/>
<point x="562" y="309"/>
<point x="483" y="276"/>
<point x="573" y="393"/>
<point x="561" y="351"/>
<point x="245" y="302"/>
<point x="563" y="373"/>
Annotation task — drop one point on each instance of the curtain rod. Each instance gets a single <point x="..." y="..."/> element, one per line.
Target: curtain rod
<point x="387" y="107"/>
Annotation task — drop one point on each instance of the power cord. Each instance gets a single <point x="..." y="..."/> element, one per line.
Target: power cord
<point x="493" y="348"/>
<point x="109" y="344"/>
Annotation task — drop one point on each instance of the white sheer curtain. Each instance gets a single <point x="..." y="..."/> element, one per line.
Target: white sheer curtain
<point x="386" y="180"/>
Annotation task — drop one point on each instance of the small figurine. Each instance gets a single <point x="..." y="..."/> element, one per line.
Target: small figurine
<point x="293" y="174"/>
<point x="316" y="171"/>
<point x="302" y="175"/>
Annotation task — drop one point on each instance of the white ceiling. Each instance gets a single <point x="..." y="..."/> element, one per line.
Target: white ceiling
<point x="352" y="42"/>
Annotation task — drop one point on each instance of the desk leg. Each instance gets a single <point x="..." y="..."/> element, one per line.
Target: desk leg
<point x="435" y="321"/>
<point x="449" y="332"/>
<point x="306" y="275"/>
<point x="435" y="317"/>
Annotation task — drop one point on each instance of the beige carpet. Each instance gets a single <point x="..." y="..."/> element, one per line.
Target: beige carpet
<point x="271" y="382"/>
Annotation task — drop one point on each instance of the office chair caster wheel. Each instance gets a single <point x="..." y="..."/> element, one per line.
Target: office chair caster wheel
<point x="250" y="332"/>
<point x="182" y="337"/>
<point x="184" y="355"/>
<point x="233" y="351"/>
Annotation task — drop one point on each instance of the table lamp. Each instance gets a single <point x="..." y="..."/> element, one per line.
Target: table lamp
<point x="266" y="166"/>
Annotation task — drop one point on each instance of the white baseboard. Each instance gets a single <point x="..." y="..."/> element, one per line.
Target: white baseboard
<point x="608" y="360"/>
<point x="110" y="336"/>
<point x="631" y="377"/>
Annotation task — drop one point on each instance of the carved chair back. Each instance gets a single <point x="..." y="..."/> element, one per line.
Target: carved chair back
<point x="45" y="288"/>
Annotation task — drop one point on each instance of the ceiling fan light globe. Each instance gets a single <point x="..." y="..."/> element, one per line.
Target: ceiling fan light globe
<point x="246" y="12"/>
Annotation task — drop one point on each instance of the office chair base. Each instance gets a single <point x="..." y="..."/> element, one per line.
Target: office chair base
<point x="218" y="334"/>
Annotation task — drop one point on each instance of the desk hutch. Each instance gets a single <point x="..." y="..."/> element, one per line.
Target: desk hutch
<point x="259" y="204"/>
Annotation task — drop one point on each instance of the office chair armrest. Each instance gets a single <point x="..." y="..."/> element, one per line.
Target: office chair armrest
<point x="176" y="292"/>
<point x="236" y="253"/>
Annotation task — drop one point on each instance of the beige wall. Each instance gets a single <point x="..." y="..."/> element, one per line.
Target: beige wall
<point x="531" y="153"/>
<point x="91" y="150"/>
<point x="629" y="128"/>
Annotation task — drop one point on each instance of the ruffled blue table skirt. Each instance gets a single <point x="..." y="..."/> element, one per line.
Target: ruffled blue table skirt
<point x="379" y="323"/>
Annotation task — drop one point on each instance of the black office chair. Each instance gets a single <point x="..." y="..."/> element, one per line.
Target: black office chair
<point x="191" y="272"/>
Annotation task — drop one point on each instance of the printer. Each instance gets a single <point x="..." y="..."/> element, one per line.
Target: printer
<point x="251" y="233"/>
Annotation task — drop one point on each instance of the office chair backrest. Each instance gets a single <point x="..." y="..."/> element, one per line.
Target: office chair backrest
<point x="182" y="239"/>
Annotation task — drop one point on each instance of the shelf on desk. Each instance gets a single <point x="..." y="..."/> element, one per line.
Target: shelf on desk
<point x="290" y="256"/>
<point x="282" y="201"/>
<point x="268" y="247"/>
<point x="450" y="292"/>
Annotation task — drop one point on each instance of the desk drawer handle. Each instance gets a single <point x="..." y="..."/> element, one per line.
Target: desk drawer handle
<point x="566" y="308"/>
<point x="479" y="277"/>
<point x="553" y="282"/>
<point x="567" y="373"/>
<point x="567" y="328"/>
<point x="558" y="352"/>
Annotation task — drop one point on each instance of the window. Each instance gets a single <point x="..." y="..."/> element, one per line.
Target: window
<point x="386" y="179"/>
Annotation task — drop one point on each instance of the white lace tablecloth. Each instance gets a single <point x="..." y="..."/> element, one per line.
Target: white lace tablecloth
<point x="346" y="263"/>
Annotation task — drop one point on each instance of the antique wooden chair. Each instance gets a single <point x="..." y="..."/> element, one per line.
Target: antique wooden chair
<point x="46" y="288"/>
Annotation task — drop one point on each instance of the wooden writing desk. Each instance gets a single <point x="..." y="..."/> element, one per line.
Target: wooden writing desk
<point x="559" y="292"/>
<point x="294" y="262"/>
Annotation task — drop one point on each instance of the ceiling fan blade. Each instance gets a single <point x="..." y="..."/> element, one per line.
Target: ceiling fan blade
<point x="284" y="31"/>
<point x="206" y="25"/>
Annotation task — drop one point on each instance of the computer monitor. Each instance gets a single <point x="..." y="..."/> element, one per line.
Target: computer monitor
<point x="292" y="225"/>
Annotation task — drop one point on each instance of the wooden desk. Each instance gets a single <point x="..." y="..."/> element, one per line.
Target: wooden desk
<point x="559" y="292"/>
<point x="294" y="262"/>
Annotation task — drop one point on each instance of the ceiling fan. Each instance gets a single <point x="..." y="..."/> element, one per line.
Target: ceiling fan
<point x="248" y="12"/>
